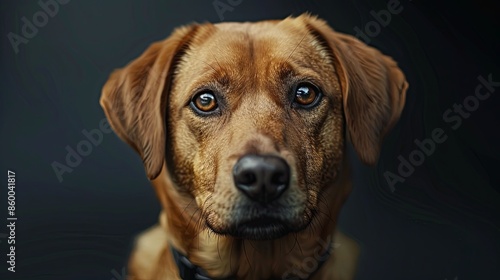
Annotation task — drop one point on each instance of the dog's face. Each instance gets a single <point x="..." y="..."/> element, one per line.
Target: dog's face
<point x="256" y="127"/>
<point x="251" y="117"/>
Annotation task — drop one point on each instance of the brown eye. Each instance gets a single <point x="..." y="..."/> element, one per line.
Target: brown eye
<point x="204" y="102"/>
<point x="306" y="95"/>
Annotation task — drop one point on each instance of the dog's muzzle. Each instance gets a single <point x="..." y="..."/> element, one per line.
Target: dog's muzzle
<point x="262" y="179"/>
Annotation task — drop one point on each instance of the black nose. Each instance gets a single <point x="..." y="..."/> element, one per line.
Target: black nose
<point x="261" y="178"/>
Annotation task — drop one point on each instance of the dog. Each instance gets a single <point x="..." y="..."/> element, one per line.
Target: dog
<point x="242" y="129"/>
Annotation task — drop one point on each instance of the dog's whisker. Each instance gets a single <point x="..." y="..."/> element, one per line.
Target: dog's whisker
<point x="294" y="49"/>
<point x="192" y="215"/>
<point x="316" y="226"/>
<point x="195" y="227"/>
<point x="216" y="61"/>
<point x="321" y="199"/>
<point x="187" y="206"/>
<point x="198" y="225"/>
<point x="312" y="225"/>
<point x="246" y="256"/>
<point x="327" y="215"/>
<point x="293" y="246"/>
<point x="300" y="248"/>
<point x="250" y="242"/>
<point x="281" y="246"/>
<point x="231" y="255"/>
<point x="209" y="65"/>
<point x="218" y="249"/>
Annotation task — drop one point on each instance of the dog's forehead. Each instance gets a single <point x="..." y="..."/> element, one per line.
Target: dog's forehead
<point x="249" y="46"/>
<point x="265" y="41"/>
<point x="257" y="53"/>
<point x="260" y="52"/>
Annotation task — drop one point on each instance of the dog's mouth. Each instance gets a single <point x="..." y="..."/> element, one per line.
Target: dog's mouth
<point x="260" y="228"/>
<point x="258" y="222"/>
<point x="255" y="227"/>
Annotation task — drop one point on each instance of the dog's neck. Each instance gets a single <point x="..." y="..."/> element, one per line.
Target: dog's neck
<point x="296" y="254"/>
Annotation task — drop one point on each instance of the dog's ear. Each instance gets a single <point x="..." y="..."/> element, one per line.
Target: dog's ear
<point x="134" y="98"/>
<point x="373" y="88"/>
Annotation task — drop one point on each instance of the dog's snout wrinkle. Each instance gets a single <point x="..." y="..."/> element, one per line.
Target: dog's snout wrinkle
<point x="261" y="178"/>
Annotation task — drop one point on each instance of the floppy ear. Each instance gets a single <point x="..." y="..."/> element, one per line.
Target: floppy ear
<point x="373" y="88"/>
<point x="134" y="98"/>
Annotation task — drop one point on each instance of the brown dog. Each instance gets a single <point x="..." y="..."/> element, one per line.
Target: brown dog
<point x="242" y="130"/>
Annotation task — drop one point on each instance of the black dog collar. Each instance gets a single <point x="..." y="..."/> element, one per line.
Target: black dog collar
<point x="189" y="271"/>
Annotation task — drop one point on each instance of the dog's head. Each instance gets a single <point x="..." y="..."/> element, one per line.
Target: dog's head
<point x="251" y="118"/>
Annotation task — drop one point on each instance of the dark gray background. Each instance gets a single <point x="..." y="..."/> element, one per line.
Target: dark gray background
<point x="441" y="223"/>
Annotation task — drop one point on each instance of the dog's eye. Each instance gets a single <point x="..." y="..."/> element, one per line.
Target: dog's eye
<point x="306" y="95"/>
<point x="204" y="102"/>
